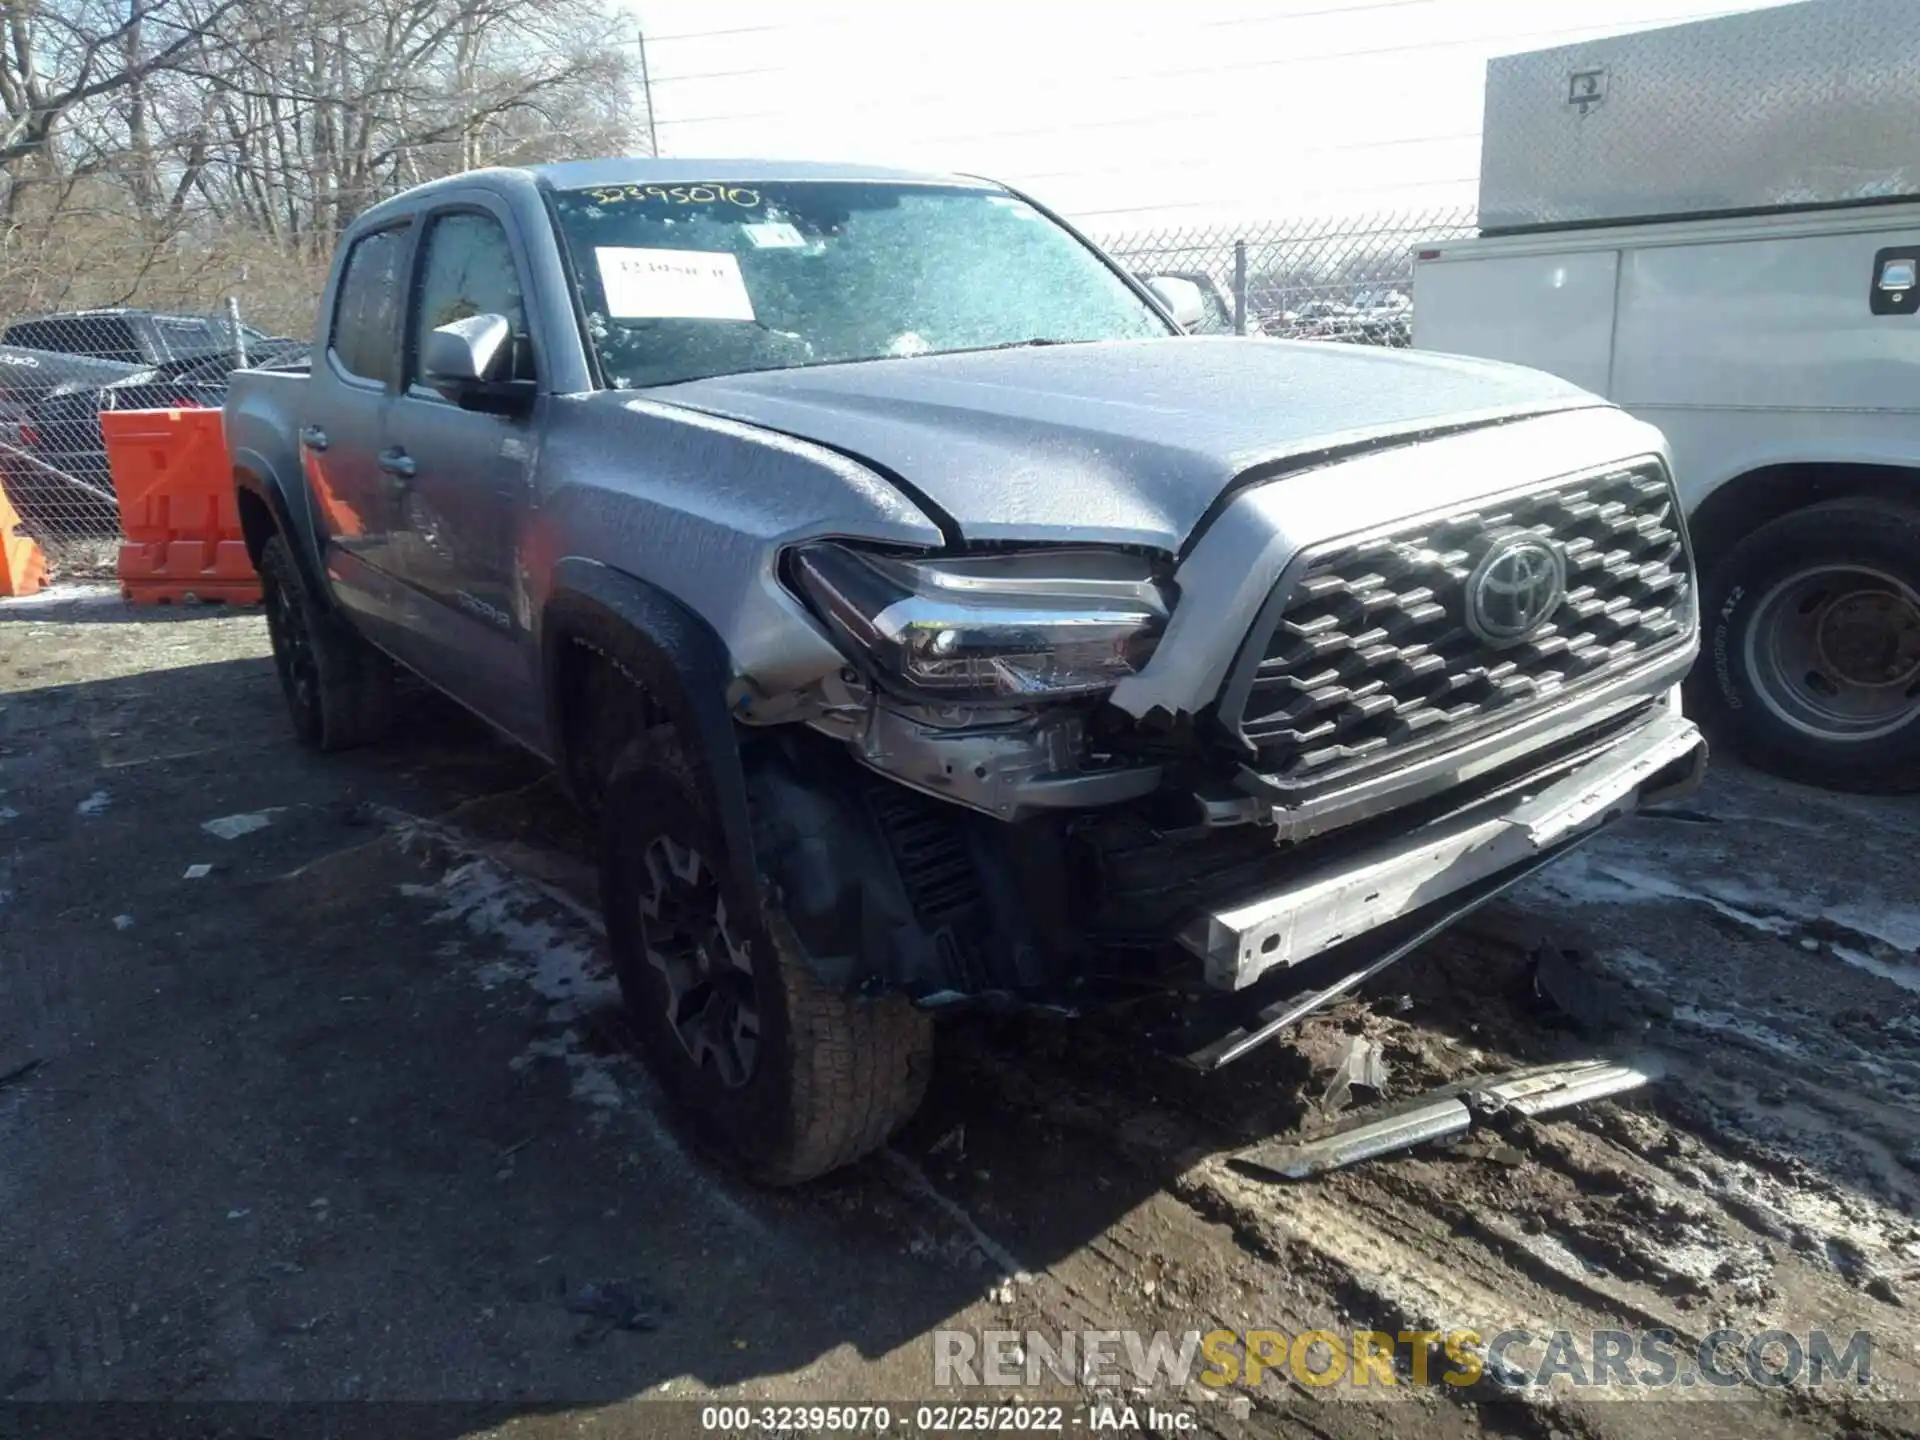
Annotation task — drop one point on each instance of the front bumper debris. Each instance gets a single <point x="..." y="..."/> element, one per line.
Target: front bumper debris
<point x="1345" y="899"/>
<point x="1533" y="1092"/>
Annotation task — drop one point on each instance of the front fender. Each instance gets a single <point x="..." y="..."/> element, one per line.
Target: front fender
<point x="680" y="661"/>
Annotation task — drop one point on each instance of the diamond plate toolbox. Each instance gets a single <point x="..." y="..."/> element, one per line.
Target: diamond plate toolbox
<point x="1815" y="103"/>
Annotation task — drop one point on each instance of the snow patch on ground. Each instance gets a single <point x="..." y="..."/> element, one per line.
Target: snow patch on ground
<point x="1906" y="976"/>
<point x="1585" y="879"/>
<point x="63" y="595"/>
<point x="1729" y="1024"/>
<point x="1893" y="925"/>
<point x="559" y="962"/>
<point x="232" y="827"/>
<point x="552" y="945"/>
<point x="94" y="804"/>
<point x="1817" y="1210"/>
<point x="1765" y="1037"/>
<point x="1607" y="875"/>
<point x="593" y="1084"/>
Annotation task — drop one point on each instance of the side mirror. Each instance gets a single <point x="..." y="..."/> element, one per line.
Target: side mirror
<point x="1181" y="297"/>
<point x="469" y="361"/>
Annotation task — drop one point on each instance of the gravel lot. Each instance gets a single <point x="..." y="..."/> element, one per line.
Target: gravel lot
<point x="350" y="1115"/>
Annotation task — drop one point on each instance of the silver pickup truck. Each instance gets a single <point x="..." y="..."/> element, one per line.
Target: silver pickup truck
<point x="929" y="621"/>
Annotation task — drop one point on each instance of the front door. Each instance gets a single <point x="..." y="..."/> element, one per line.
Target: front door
<point x="461" y="481"/>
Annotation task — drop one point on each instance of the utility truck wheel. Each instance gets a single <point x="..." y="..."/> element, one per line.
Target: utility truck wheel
<point x="339" y="688"/>
<point x="1811" y="628"/>
<point x="787" y="1078"/>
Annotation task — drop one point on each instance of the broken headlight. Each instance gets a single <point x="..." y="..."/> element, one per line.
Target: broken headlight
<point x="1016" y="626"/>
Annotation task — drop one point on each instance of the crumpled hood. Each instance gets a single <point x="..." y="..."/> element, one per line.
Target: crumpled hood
<point x="1122" y="442"/>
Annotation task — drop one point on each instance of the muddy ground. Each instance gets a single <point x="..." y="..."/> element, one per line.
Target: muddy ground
<point x="350" y="1114"/>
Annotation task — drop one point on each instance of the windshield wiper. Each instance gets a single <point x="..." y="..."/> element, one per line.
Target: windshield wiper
<point x="1022" y="344"/>
<point x="1028" y="343"/>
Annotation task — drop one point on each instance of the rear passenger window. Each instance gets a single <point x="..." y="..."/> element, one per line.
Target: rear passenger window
<point x="363" y="315"/>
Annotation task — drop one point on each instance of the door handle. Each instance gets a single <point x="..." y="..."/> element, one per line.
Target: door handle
<point x="397" y="463"/>
<point x="313" y="437"/>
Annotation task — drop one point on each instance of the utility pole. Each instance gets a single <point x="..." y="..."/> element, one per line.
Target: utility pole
<point x="646" y="91"/>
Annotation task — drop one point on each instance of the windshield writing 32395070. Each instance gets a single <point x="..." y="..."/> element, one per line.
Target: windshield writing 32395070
<point x="744" y="196"/>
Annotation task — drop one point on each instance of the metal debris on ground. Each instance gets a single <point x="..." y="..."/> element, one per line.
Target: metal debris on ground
<point x="1598" y="1005"/>
<point x="1451" y="1110"/>
<point x="615" y="1305"/>
<point x="1361" y="1063"/>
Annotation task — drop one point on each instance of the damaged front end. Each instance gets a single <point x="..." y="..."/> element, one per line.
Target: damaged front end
<point x="1372" y="757"/>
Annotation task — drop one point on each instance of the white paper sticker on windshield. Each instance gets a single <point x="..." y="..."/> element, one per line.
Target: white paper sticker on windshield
<point x="672" y="284"/>
<point x="775" y="235"/>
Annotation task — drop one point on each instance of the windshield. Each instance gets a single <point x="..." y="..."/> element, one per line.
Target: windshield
<point x="685" y="281"/>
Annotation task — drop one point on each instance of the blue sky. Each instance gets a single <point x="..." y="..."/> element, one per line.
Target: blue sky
<point x="1192" y="113"/>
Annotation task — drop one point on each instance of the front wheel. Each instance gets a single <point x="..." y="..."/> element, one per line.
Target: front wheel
<point x="785" y="1076"/>
<point x="1812" y="639"/>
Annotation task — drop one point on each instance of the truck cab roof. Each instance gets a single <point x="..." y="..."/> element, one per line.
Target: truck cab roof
<point x="622" y="170"/>
<point x="648" y="170"/>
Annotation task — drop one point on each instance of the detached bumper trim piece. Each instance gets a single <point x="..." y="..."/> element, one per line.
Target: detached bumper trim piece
<point x="1241" y="943"/>
<point x="1538" y="1091"/>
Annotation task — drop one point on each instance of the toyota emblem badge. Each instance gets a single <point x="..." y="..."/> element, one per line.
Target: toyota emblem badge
<point x="1517" y="585"/>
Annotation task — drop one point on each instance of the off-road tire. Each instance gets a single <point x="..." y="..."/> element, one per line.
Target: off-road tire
<point x="836" y="1074"/>
<point x="338" y="688"/>
<point x="1724" y="693"/>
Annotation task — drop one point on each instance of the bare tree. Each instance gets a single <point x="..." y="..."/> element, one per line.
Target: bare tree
<point x="178" y="149"/>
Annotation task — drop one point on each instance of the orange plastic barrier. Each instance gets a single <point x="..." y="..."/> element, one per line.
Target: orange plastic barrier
<point x="177" y="508"/>
<point x="23" y="568"/>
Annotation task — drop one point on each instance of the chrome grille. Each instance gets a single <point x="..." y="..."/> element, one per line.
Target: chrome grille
<point x="1370" y="652"/>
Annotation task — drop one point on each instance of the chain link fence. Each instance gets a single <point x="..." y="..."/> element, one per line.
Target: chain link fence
<point x="1345" y="278"/>
<point x="59" y="372"/>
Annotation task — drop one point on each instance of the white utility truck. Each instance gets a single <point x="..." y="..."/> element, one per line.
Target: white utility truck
<point x="1717" y="226"/>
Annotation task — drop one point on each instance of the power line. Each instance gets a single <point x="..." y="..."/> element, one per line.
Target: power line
<point x="1291" y="15"/>
<point x="722" y="74"/>
<point x="1027" y="177"/>
<point x="1112" y="122"/>
<point x="1237" y="67"/>
<point x="714" y="34"/>
<point x="1237" y="20"/>
<point x="1079" y="215"/>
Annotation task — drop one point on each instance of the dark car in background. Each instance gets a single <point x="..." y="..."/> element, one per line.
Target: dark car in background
<point x="53" y="459"/>
<point x="133" y="337"/>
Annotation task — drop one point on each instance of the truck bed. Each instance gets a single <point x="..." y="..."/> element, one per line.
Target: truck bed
<point x="262" y="413"/>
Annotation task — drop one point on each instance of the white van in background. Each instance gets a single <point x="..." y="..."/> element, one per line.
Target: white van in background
<point x="1708" y="225"/>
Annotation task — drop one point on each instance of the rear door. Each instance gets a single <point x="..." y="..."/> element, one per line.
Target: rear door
<point x="462" y="480"/>
<point x="342" y="424"/>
